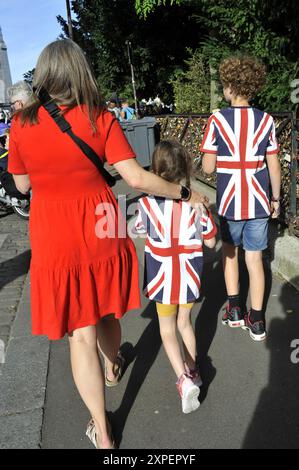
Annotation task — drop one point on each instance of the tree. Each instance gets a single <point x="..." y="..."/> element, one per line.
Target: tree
<point x="192" y="88"/>
<point x="164" y="33"/>
<point x="159" y="44"/>
<point x="144" y="7"/>
<point x="28" y="76"/>
<point x="260" y="28"/>
<point x="267" y="29"/>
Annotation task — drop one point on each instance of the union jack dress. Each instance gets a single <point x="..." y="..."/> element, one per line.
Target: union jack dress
<point x="173" y="248"/>
<point x="241" y="137"/>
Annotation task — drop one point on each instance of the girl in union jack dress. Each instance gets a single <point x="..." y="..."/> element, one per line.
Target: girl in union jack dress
<point x="175" y="234"/>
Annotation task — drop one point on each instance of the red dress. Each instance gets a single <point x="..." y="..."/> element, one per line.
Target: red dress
<point x="77" y="274"/>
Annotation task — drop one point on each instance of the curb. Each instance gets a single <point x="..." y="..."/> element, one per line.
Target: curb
<point x="23" y="382"/>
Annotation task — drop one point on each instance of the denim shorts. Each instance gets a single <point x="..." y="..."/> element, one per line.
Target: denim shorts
<point x="252" y="233"/>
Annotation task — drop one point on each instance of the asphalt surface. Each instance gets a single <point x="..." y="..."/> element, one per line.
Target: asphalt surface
<point x="249" y="398"/>
<point x="250" y="394"/>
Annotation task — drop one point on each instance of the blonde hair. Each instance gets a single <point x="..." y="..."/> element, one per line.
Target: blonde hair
<point x="62" y="69"/>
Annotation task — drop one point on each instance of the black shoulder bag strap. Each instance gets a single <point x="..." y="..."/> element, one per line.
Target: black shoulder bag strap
<point x="55" y="113"/>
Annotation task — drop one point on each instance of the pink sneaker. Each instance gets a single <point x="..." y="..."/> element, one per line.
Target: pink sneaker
<point x="189" y="393"/>
<point x="194" y="375"/>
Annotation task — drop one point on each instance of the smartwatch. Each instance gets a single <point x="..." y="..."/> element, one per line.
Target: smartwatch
<point x="185" y="193"/>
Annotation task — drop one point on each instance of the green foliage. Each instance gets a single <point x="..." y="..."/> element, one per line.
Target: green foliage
<point x="144" y="7"/>
<point x="163" y="33"/>
<point x="192" y="88"/>
<point x="159" y="44"/>
<point x="265" y="29"/>
<point x="28" y="76"/>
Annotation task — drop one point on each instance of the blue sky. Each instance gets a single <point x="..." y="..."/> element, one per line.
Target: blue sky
<point x="27" y="27"/>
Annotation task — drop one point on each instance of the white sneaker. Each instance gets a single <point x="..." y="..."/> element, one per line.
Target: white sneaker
<point x="189" y="393"/>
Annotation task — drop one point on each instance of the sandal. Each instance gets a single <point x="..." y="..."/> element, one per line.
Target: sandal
<point x="119" y="365"/>
<point x="92" y="435"/>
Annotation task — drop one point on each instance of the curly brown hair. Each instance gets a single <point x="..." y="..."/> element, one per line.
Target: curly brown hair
<point x="172" y="162"/>
<point x="245" y="75"/>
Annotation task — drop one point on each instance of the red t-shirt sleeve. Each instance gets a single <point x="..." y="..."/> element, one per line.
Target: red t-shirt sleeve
<point x="117" y="148"/>
<point x="15" y="163"/>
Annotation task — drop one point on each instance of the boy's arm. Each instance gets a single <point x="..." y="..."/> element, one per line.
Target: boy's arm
<point x="274" y="170"/>
<point x="275" y="178"/>
<point x="209" y="163"/>
<point x="209" y="147"/>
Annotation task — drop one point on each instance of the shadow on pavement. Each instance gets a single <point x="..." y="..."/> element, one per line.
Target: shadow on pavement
<point x="144" y="353"/>
<point x="275" y="423"/>
<point x="4" y="212"/>
<point x="13" y="268"/>
<point x="214" y="293"/>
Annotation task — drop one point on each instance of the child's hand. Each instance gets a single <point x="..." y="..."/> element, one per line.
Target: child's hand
<point x="275" y="209"/>
<point x="201" y="210"/>
<point x="197" y="200"/>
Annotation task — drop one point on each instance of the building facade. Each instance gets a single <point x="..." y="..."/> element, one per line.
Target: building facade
<point x="5" y="76"/>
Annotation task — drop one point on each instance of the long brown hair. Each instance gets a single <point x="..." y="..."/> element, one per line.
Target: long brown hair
<point x="172" y="162"/>
<point x="63" y="70"/>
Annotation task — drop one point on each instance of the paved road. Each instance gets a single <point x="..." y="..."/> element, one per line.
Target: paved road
<point x="14" y="264"/>
<point x="250" y="393"/>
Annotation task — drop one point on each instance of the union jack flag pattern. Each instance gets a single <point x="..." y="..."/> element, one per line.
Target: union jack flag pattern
<point x="241" y="137"/>
<point x="173" y="248"/>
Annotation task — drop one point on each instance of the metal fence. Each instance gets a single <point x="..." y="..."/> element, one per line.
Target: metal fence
<point x="189" y="130"/>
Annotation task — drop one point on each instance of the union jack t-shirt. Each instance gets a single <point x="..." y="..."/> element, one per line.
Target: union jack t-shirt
<point x="173" y="248"/>
<point x="241" y="137"/>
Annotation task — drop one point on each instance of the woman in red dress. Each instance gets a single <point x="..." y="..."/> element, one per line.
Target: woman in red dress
<point x="81" y="283"/>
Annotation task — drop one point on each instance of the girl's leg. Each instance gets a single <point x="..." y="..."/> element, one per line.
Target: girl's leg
<point x="186" y="330"/>
<point x="109" y="338"/>
<point x="88" y="377"/>
<point x="168" y="331"/>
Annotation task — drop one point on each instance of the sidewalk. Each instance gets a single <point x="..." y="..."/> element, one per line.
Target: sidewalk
<point x="249" y="398"/>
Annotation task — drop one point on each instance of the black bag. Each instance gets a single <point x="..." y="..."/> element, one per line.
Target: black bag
<point x="9" y="185"/>
<point x="65" y="127"/>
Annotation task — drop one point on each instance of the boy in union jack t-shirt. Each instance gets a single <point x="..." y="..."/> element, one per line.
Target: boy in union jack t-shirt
<point x="240" y="143"/>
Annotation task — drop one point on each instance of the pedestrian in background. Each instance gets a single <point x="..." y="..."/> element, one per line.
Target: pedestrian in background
<point x="4" y="137"/>
<point x="127" y="112"/>
<point x="113" y="108"/>
<point x="19" y="94"/>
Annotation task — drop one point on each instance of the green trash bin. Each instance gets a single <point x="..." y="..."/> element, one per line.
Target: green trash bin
<point x="142" y="134"/>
